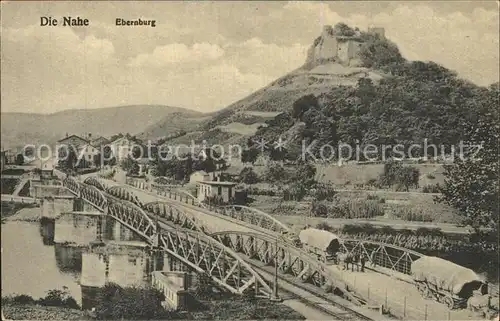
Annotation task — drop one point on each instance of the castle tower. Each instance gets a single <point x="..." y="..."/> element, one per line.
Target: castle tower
<point x="327" y="30"/>
<point x="378" y="31"/>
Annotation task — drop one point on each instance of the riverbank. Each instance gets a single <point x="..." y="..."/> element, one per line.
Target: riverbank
<point x="39" y="312"/>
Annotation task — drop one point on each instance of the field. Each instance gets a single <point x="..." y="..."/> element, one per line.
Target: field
<point x="351" y="175"/>
<point x="394" y="206"/>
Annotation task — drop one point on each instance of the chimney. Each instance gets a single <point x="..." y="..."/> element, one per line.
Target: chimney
<point x="90" y="136"/>
<point x="66" y="135"/>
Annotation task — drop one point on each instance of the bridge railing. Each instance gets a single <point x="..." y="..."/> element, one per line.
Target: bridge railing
<point x="241" y="213"/>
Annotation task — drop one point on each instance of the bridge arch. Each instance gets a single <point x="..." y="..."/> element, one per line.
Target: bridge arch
<point x="92" y="181"/>
<point x="207" y="255"/>
<point x="174" y="214"/>
<point x="255" y="217"/>
<point x="124" y="193"/>
<point x="133" y="217"/>
<point x="72" y="184"/>
<point x="94" y="196"/>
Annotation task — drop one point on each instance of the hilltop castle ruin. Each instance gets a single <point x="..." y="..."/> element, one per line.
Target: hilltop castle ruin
<point x="341" y="49"/>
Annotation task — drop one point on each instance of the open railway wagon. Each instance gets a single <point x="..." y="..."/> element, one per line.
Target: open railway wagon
<point x="446" y="281"/>
<point x="323" y="244"/>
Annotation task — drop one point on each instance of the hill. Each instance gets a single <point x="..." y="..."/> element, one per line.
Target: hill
<point x="371" y="95"/>
<point x="19" y="129"/>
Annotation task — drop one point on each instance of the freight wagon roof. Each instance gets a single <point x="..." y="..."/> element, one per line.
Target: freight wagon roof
<point x="318" y="238"/>
<point x="445" y="274"/>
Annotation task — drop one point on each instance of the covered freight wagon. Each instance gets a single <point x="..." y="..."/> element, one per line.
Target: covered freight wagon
<point x="445" y="281"/>
<point x="322" y="243"/>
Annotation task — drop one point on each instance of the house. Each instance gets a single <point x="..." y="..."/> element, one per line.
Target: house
<point x="198" y="176"/>
<point x="207" y="189"/>
<point x="87" y="153"/>
<point x="122" y="147"/>
<point x="99" y="141"/>
<point x="72" y="141"/>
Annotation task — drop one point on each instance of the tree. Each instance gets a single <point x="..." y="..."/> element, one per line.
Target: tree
<point x="303" y="104"/>
<point x="249" y="155"/>
<point x="248" y="176"/>
<point x="19" y="159"/>
<point x="378" y="52"/>
<point x="130" y="166"/>
<point x="98" y="160"/>
<point x="471" y="183"/>
<point x="342" y="29"/>
<point x="67" y="158"/>
<point x="275" y="173"/>
<point x="305" y="175"/>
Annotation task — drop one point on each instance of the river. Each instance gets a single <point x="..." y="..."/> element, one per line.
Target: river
<point x="32" y="264"/>
<point x="29" y="266"/>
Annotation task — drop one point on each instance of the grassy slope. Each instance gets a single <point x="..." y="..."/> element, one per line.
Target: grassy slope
<point x="280" y="94"/>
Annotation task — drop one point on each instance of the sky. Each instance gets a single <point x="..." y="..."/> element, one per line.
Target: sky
<point x="206" y="55"/>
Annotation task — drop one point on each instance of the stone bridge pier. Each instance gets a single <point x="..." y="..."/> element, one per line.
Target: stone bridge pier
<point x="79" y="228"/>
<point x="53" y="206"/>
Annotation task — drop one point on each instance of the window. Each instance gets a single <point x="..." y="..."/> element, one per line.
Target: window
<point x="219" y="190"/>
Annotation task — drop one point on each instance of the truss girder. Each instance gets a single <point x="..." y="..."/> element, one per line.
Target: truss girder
<point x="291" y="261"/>
<point x="207" y="255"/>
<point x="389" y="256"/>
<point x="255" y="217"/>
<point x="173" y="214"/>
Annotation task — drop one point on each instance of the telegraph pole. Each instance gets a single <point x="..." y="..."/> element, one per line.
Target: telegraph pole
<point x="274" y="295"/>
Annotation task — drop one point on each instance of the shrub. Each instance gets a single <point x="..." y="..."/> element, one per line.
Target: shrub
<point x="319" y="208"/>
<point x="373" y="182"/>
<point x="363" y="209"/>
<point x="59" y="298"/>
<point x="115" y="302"/>
<point x="403" y="177"/>
<point x="324" y="192"/>
<point x="324" y="226"/>
<point x="297" y="192"/>
<point x="275" y="173"/>
<point x="435" y="188"/>
<point x="414" y="214"/>
<point x="248" y="176"/>
<point x="430" y="176"/>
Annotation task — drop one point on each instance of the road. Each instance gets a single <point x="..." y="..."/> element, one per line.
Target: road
<point x="398" y="225"/>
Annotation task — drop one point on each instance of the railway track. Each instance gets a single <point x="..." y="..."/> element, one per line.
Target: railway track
<point x="314" y="298"/>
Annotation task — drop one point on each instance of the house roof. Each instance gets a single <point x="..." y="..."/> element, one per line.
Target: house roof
<point x="101" y="140"/>
<point x="65" y="138"/>
<point x="217" y="183"/>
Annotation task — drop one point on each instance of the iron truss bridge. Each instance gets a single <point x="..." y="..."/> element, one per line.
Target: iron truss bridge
<point x="121" y="204"/>
<point x="194" y="248"/>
